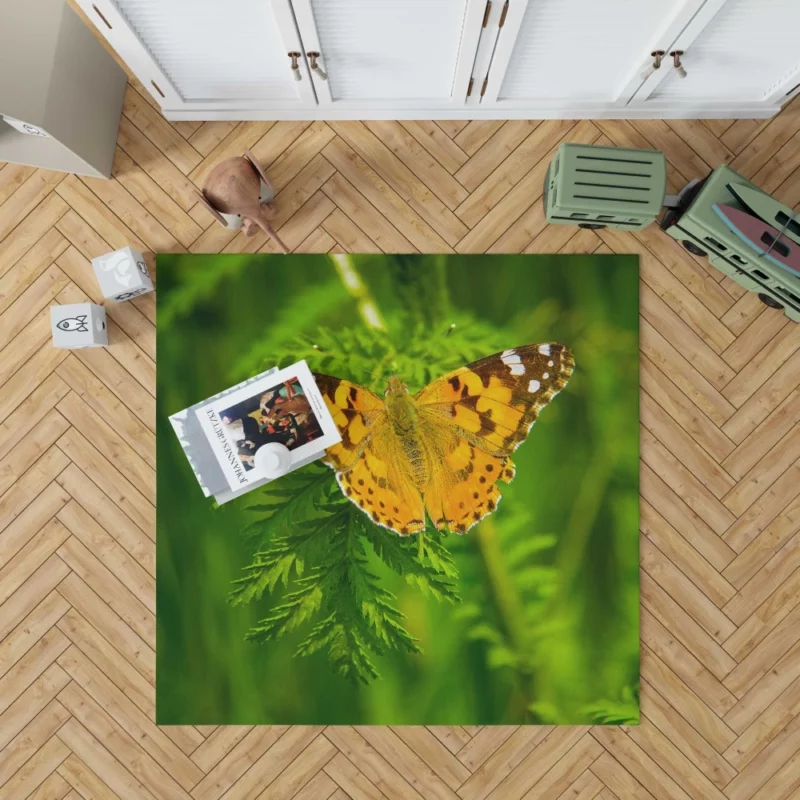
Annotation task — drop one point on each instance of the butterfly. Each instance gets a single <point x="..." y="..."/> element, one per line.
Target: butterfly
<point x="442" y="451"/>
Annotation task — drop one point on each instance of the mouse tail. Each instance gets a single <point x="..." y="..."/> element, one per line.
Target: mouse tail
<point x="263" y="223"/>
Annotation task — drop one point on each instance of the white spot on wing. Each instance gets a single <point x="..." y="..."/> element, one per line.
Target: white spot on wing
<point x="546" y="375"/>
<point x="544" y="349"/>
<point x="534" y="386"/>
<point x="551" y="363"/>
<point x="513" y="362"/>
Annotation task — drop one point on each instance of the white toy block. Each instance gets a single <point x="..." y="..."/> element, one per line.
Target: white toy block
<point x="78" y="325"/>
<point x="122" y="274"/>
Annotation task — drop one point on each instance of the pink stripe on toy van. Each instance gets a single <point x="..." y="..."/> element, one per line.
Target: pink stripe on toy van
<point x="764" y="239"/>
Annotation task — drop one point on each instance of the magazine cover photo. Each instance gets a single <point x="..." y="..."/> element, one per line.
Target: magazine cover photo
<point x="284" y="408"/>
<point x="280" y="414"/>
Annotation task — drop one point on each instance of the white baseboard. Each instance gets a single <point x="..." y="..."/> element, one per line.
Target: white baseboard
<point x="752" y="111"/>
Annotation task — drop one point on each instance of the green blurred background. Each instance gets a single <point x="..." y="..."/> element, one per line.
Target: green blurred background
<point x="547" y="628"/>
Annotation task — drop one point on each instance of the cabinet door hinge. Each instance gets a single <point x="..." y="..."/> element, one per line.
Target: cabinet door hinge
<point x="503" y="15"/>
<point x="469" y="88"/>
<point x="486" y="13"/>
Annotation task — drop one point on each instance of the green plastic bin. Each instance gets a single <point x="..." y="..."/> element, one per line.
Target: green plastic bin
<point x="605" y="187"/>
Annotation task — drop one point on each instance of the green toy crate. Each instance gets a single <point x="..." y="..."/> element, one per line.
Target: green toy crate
<point x="597" y="187"/>
<point x="696" y="225"/>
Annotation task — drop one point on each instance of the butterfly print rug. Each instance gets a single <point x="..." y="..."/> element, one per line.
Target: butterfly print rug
<point x="467" y="554"/>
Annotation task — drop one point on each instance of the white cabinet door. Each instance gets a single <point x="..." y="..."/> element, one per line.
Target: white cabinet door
<point x="388" y="54"/>
<point x="206" y="55"/>
<point x="734" y="51"/>
<point x="574" y="54"/>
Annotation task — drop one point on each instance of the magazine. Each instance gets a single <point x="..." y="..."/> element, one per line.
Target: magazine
<point x="221" y="435"/>
<point x="283" y="407"/>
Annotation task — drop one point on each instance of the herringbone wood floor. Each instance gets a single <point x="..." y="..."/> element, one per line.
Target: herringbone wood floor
<point x="720" y="506"/>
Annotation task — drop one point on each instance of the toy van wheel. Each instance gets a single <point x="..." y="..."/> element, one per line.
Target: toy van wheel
<point x="592" y="226"/>
<point x="769" y="301"/>
<point x="693" y="248"/>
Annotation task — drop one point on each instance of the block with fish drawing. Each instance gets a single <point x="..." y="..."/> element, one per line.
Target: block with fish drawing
<point x="78" y="325"/>
<point x="122" y="275"/>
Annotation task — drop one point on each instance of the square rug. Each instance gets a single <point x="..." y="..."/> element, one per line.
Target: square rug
<point x="468" y="555"/>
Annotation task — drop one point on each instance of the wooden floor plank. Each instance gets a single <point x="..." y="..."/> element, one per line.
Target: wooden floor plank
<point x="120" y="599"/>
<point x="430" y="173"/>
<point x="38" y="768"/>
<point x="97" y="610"/>
<point x="151" y="196"/>
<point x="670" y="729"/>
<point x="413" y="219"/>
<point x="491" y="154"/>
<point x="109" y="479"/>
<point x="159" y="131"/>
<point x="509" y="172"/>
<point x="31" y="738"/>
<point x="31" y="593"/>
<point x="17" y="277"/>
<point x="238" y="760"/>
<point x="437" y="143"/>
<point x="12" y="176"/>
<point x="769" y="614"/>
<point x="93" y="771"/>
<point x="31" y="629"/>
<point x="769" y="724"/>
<point x="371" y="763"/>
<point x="119" y="743"/>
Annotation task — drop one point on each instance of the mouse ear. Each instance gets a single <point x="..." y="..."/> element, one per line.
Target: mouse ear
<point x="257" y="167"/>
<point x="213" y="211"/>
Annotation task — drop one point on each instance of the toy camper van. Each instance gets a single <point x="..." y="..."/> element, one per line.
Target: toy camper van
<point x="745" y="233"/>
<point x="704" y="223"/>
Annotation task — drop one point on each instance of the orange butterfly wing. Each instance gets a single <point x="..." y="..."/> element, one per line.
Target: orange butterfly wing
<point x="481" y="413"/>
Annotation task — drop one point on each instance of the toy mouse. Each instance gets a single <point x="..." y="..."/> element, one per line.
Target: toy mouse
<point x="237" y="193"/>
